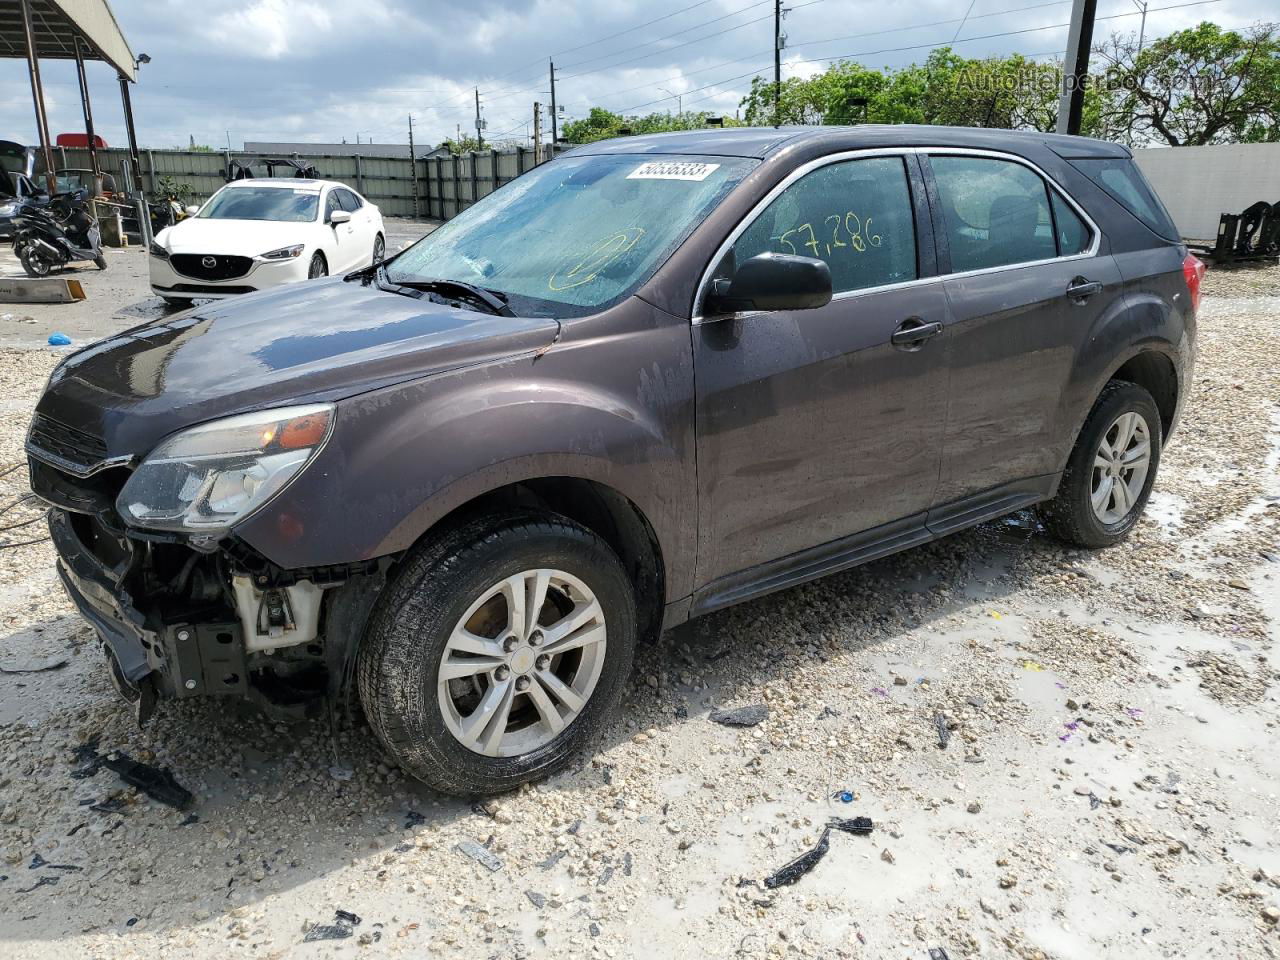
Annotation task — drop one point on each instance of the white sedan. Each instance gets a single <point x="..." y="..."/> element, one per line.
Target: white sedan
<point x="254" y="234"/>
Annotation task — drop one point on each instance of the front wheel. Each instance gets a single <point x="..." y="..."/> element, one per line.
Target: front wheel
<point x="100" y="262"/>
<point x="497" y="651"/>
<point x="318" y="267"/>
<point x="1109" y="475"/>
<point x="379" y="250"/>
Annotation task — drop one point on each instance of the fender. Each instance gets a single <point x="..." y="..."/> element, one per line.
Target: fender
<point x="1153" y="318"/>
<point x="403" y="457"/>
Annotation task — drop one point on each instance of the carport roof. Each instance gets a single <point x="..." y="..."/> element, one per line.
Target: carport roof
<point x="57" y="23"/>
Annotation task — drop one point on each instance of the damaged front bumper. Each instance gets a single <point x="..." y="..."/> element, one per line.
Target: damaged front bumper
<point x="179" y="622"/>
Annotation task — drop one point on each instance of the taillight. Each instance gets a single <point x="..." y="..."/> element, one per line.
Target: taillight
<point x="1193" y="271"/>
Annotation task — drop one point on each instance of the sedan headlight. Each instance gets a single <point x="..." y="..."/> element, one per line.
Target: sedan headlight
<point x="209" y="477"/>
<point x="8" y="209"/>
<point x="284" y="253"/>
<point x="158" y="251"/>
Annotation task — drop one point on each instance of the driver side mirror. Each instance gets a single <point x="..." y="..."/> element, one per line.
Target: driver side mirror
<point x="772" y="281"/>
<point x="339" y="216"/>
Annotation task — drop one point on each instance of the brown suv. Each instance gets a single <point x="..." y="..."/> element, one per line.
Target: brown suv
<point x="647" y="380"/>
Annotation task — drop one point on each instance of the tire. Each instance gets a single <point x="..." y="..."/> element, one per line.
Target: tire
<point x="179" y="303"/>
<point x="318" y="267"/>
<point x="100" y="262"/>
<point x="436" y="590"/>
<point x="379" y="250"/>
<point x="34" y="263"/>
<point x="1072" y="515"/>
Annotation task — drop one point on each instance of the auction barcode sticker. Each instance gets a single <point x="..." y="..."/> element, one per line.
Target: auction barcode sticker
<point x="673" y="170"/>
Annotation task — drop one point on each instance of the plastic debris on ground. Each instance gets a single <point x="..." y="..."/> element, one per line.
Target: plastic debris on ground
<point x="742" y="716"/>
<point x="343" y="926"/>
<point x="797" y="868"/>
<point x="156" y="782"/>
<point x="944" y="732"/>
<point x="480" y="854"/>
<point x="33" y="666"/>
<point x="59" y="340"/>
<point x="937" y="953"/>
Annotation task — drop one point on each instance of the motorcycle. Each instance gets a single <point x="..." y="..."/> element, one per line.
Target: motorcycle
<point x="53" y="236"/>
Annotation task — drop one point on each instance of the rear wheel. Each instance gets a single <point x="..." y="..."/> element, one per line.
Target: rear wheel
<point x="498" y="651"/>
<point x="1109" y="474"/>
<point x="318" y="267"/>
<point x="100" y="262"/>
<point x="35" y="263"/>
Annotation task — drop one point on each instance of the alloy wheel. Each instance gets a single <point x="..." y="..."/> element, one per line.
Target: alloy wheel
<point x="1120" y="467"/>
<point x="521" y="663"/>
<point x="379" y="250"/>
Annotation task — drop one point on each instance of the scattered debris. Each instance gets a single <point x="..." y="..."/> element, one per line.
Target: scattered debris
<point x="537" y="899"/>
<point x="742" y="716"/>
<point x="44" y="881"/>
<point x="944" y="732"/>
<point x="59" y="340"/>
<point x="555" y="858"/>
<point x="343" y="927"/>
<point x="797" y="868"/>
<point x="479" y="854"/>
<point x="38" y="861"/>
<point x="844" y="796"/>
<point x="189" y="819"/>
<point x="33" y="666"/>
<point x="413" y="819"/>
<point x="937" y="953"/>
<point x="156" y="782"/>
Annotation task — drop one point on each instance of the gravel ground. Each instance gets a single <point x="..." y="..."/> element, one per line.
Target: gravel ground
<point x="1105" y="792"/>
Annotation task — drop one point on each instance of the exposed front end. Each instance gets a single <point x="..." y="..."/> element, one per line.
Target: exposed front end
<point x="185" y="613"/>
<point x="216" y="275"/>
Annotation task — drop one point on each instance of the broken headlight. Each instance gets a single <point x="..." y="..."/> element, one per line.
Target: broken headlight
<point x="209" y="477"/>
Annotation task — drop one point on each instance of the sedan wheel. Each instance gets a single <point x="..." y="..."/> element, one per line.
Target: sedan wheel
<point x="379" y="249"/>
<point x="318" y="267"/>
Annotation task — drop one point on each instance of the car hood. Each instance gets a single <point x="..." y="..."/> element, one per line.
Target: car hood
<point x="322" y="340"/>
<point x="246" y="238"/>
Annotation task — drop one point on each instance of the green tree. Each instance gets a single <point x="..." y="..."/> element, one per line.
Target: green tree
<point x="456" y="145"/>
<point x="1197" y="86"/>
<point x="601" y="124"/>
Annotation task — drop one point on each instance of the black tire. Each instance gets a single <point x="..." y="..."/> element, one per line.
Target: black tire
<point x="1070" y="515"/>
<point x="379" y="250"/>
<point x="318" y="267"/>
<point x="100" y="262"/>
<point x="34" y="263"/>
<point x="178" y="303"/>
<point x="405" y="641"/>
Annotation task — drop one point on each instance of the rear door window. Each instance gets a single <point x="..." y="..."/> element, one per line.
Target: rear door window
<point x="856" y="215"/>
<point x="1073" y="234"/>
<point x="995" y="212"/>
<point x="1121" y="178"/>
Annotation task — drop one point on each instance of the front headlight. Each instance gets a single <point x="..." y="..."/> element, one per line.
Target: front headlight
<point x="284" y="253"/>
<point x="8" y="209"/>
<point x="158" y="251"/>
<point x="209" y="477"/>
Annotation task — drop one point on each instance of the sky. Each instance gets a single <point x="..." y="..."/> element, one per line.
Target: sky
<point x="334" y="70"/>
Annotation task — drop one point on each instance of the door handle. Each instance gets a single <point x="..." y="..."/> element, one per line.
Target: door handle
<point x="913" y="332"/>
<point x="1080" y="289"/>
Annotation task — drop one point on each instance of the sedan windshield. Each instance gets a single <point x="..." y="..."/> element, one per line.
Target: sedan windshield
<point x="576" y="235"/>
<point x="262" y="203"/>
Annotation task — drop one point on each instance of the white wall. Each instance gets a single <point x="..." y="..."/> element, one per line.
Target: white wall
<point x="1199" y="184"/>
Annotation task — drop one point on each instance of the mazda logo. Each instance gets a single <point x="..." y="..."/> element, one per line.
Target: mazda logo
<point x="208" y="262"/>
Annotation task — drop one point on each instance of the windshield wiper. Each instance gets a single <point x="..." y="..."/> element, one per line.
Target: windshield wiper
<point x="488" y="298"/>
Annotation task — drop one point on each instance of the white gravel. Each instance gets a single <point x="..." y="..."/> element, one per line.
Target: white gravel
<point x="1109" y="789"/>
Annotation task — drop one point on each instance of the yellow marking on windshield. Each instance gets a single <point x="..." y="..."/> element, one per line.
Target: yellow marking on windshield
<point x="597" y="259"/>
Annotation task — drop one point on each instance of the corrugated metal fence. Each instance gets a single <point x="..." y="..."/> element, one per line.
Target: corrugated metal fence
<point x="446" y="185"/>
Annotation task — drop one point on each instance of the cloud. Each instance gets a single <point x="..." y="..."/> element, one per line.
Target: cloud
<point x="323" y="70"/>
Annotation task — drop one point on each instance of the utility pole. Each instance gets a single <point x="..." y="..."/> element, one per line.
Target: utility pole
<point x="537" y="134"/>
<point x="413" y="169"/>
<point x="1142" y="30"/>
<point x="479" y="129"/>
<point x="1076" y="66"/>
<point x="555" y="133"/>
<point x="777" y="62"/>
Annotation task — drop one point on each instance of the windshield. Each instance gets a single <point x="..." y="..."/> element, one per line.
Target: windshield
<point x="262" y="203"/>
<point x="576" y="235"/>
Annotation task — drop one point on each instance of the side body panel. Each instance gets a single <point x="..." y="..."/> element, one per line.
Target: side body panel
<point x="612" y="402"/>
